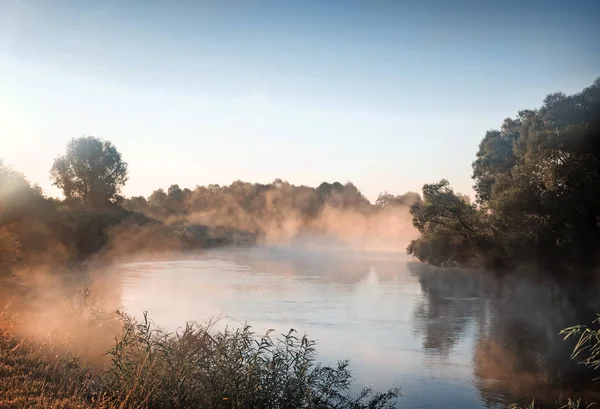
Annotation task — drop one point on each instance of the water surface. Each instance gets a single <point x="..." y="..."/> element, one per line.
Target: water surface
<point x="448" y="340"/>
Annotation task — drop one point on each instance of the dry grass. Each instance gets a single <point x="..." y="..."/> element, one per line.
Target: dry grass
<point x="152" y="369"/>
<point x="37" y="375"/>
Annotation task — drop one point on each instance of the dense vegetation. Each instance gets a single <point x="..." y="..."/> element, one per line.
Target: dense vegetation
<point x="537" y="184"/>
<point x="35" y="229"/>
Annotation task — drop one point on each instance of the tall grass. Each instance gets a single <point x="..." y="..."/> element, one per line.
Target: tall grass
<point x="41" y="374"/>
<point x="588" y="344"/>
<point x="201" y="368"/>
<point x="197" y="367"/>
<point x="571" y="404"/>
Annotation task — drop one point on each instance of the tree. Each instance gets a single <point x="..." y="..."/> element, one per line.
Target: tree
<point x="537" y="181"/>
<point x="136" y="204"/>
<point x="352" y="197"/>
<point x="14" y="188"/>
<point x="157" y="202"/>
<point x="175" y="193"/>
<point x="452" y="229"/>
<point x="92" y="171"/>
<point x="386" y="199"/>
<point x="9" y="251"/>
<point x="176" y="199"/>
<point x="17" y="197"/>
<point x="540" y="176"/>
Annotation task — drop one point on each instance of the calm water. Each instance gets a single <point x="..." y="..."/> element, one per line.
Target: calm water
<point x="448" y="340"/>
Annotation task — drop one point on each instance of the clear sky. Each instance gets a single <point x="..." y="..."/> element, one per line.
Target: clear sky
<point x="386" y="94"/>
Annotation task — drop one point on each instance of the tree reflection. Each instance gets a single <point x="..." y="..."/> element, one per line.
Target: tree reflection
<point x="518" y="354"/>
<point x="446" y="310"/>
<point x="521" y="356"/>
<point x="442" y="322"/>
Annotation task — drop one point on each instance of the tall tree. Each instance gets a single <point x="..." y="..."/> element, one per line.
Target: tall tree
<point x="542" y="185"/>
<point x="9" y="251"/>
<point x="452" y="229"/>
<point x="17" y="197"/>
<point x="537" y="181"/>
<point x="386" y="199"/>
<point x="91" y="171"/>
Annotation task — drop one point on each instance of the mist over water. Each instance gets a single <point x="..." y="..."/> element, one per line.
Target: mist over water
<point x="80" y="274"/>
<point x="441" y="335"/>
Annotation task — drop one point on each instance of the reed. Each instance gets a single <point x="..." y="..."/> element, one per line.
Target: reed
<point x="196" y="367"/>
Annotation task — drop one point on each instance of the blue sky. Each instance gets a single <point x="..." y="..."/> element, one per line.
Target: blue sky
<point x="388" y="95"/>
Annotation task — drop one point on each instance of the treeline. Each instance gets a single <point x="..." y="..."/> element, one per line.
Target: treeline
<point x="36" y="229"/>
<point x="94" y="217"/>
<point x="255" y="207"/>
<point x="537" y="184"/>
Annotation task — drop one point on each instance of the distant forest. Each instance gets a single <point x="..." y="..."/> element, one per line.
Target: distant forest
<point x="537" y="184"/>
<point x="94" y="218"/>
<point x="251" y="206"/>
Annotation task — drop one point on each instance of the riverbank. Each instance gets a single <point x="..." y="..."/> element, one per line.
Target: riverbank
<point x="148" y="368"/>
<point x="512" y="357"/>
<point x="71" y="364"/>
<point x="30" y="377"/>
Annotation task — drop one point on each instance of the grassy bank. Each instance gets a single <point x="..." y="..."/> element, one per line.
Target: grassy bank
<point x="146" y="367"/>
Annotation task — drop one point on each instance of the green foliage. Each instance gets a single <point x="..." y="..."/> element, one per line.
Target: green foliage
<point x="50" y="230"/>
<point x="91" y="175"/>
<point x="537" y="181"/>
<point x="9" y="252"/>
<point x="386" y="199"/>
<point x="84" y="223"/>
<point x="454" y="232"/>
<point x="17" y="196"/>
<point x="92" y="171"/>
<point x="256" y="207"/>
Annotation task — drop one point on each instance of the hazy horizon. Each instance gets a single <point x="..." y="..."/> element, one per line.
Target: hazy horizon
<point x="388" y="96"/>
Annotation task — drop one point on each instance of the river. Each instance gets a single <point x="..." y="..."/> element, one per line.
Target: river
<point x="446" y="338"/>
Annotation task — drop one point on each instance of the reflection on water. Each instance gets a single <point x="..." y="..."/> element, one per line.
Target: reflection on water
<point x="449" y="339"/>
<point x="517" y="352"/>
